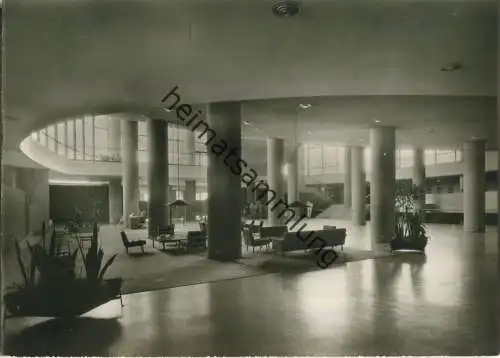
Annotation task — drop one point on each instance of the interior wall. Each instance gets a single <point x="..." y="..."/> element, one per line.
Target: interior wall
<point x="26" y="201"/>
<point x="65" y="199"/>
<point x="454" y="202"/>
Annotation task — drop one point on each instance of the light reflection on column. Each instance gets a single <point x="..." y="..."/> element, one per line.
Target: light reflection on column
<point x="479" y="297"/>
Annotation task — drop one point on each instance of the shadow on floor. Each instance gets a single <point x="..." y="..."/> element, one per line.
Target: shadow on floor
<point x="298" y="261"/>
<point x="179" y="251"/>
<point x="65" y="337"/>
<point x="140" y="254"/>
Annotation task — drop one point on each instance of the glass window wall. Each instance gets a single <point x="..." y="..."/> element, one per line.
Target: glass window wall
<point x="43" y="136"/>
<point x="61" y="142"/>
<point x="88" y="125"/>
<point x="51" y="138"/>
<point x="70" y="137"/>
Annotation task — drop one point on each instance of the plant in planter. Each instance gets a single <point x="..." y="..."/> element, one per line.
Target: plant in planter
<point x="52" y="288"/>
<point x="92" y="260"/>
<point x="410" y="230"/>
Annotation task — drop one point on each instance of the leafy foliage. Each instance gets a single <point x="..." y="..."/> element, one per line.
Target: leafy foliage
<point x="46" y="269"/>
<point x="93" y="259"/>
<point x="410" y="223"/>
<point x="28" y="273"/>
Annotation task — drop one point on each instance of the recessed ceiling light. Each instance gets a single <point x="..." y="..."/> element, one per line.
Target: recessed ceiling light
<point x="247" y="123"/>
<point x="451" y="67"/>
<point x="377" y="120"/>
<point x="167" y="110"/>
<point x="286" y="8"/>
<point x="305" y="105"/>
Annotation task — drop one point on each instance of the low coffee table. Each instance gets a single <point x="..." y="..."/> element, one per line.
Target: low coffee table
<point x="165" y="239"/>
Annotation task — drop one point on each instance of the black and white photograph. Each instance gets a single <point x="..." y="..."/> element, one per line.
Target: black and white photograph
<point x="249" y="178"/>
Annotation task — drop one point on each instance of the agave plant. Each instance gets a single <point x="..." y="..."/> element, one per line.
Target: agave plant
<point x="27" y="271"/>
<point x="93" y="259"/>
<point x="54" y="271"/>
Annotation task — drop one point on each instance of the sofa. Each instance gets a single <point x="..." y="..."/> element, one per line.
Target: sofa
<point x="310" y="240"/>
<point x="272" y="231"/>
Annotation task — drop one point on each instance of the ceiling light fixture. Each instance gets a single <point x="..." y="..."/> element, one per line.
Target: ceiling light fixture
<point x="305" y="105"/>
<point x="247" y="123"/>
<point x="377" y="120"/>
<point x="451" y="67"/>
<point x="286" y="8"/>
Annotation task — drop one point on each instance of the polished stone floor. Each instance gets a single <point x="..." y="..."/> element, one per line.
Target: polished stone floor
<point x="444" y="303"/>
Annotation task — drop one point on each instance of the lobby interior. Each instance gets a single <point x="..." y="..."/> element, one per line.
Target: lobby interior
<point x="126" y="114"/>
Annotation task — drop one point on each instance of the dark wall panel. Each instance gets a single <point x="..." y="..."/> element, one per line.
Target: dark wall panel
<point x="64" y="199"/>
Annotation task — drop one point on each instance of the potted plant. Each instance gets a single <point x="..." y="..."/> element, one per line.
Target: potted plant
<point x="410" y="231"/>
<point x="51" y="287"/>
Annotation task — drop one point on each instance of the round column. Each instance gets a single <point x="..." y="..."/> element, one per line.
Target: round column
<point x="224" y="183"/>
<point x="275" y="178"/>
<point x="418" y="176"/>
<point x="358" y="185"/>
<point x="115" y="201"/>
<point x="157" y="130"/>
<point x="189" y="144"/>
<point x="347" y="178"/>
<point x="382" y="183"/>
<point x="474" y="185"/>
<point x="114" y="138"/>
<point x="292" y="180"/>
<point x="130" y="170"/>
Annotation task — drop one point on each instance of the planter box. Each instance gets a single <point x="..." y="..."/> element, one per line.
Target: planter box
<point x="65" y="301"/>
<point x="409" y="244"/>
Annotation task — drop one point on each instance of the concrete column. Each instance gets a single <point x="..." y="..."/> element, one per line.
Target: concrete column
<point x="292" y="179"/>
<point x="250" y="195"/>
<point x="115" y="201"/>
<point x="347" y="178"/>
<point x="382" y="183"/>
<point x="358" y="185"/>
<point x="190" y="197"/>
<point x="418" y="175"/>
<point x="474" y="185"/>
<point x="157" y="130"/>
<point x="189" y="147"/>
<point x="114" y="138"/>
<point x="130" y="169"/>
<point x="275" y="179"/>
<point x="190" y="191"/>
<point x="224" y="183"/>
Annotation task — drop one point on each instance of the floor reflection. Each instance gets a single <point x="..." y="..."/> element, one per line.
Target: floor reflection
<point x="441" y="303"/>
<point x="60" y="337"/>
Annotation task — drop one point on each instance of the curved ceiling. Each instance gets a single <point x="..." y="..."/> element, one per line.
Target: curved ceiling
<point x="66" y="58"/>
